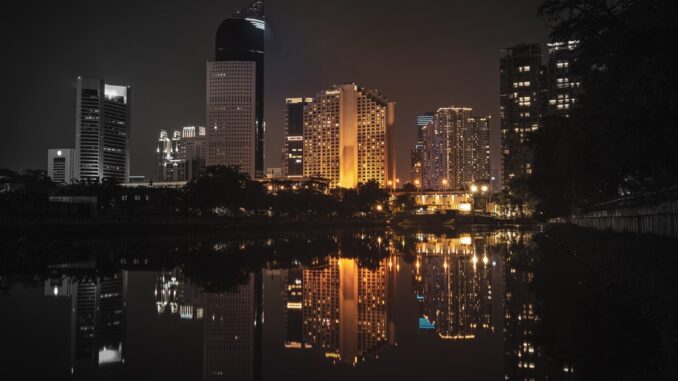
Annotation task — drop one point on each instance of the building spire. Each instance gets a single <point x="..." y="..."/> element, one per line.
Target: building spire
<point x="254" y="10"/>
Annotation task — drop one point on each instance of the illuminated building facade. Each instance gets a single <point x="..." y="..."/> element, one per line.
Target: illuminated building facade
<point x="345" y="309"/>
<point x="564" y="86"/>
<point x="235" y="93"/>
<point x="193" y="148"/>
<point x="522" y="102"/>
<point x="182" y="155"/>
<point x="293" y="149"/>
<point x="348" y="137"/>
<point x="61" y="165"/>
<point x="417" y="154"/>
<point x="456" y="149"/>
<point x="102" y="130"/>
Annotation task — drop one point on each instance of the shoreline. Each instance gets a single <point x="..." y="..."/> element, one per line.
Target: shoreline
<point x="212" y="225"/>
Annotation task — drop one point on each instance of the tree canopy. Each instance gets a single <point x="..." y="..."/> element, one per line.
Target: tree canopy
<point x="622" y="138"/>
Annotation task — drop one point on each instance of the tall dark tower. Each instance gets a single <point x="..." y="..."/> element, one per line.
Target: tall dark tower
<point x="235" y="92"/>
<point x="522" y="102"/>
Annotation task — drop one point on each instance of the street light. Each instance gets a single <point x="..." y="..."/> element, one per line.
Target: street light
<point x="484" y="188"/>
<point x="474" y="188"/>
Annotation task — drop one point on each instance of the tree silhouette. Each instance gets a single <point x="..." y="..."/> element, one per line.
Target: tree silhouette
<point x="621" y="139"/>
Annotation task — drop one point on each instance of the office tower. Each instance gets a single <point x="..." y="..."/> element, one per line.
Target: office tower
<point x="181" y="157"/>
<point x="348" y="137"/>
<point x="564" y="87"/>
<point x="102" y="130"/>
<point x="416" y="157"/>
<point x="455" y="149"/>
<point x="235" y="93"/>
<point x="293" y="150"/>
<point x="61" y="165"/>
<point x="522" y="102"/>
<point x="170" y="165"/>
<point x="193" y="149"/>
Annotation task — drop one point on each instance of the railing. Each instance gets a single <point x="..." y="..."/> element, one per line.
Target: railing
<point x="655" y="213"/>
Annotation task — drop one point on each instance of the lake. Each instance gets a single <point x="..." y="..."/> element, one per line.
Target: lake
<point x="556" y="303"/>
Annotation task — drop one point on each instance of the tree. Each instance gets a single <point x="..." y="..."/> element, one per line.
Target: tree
<point x="406" y="201"/>
<point x="621" y="139"/>
<point x="219" y="186"/>
<point x="409" y="187"/>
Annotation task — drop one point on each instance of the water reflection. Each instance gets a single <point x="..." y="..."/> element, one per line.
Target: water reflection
<point x="453" y="283"/>
<point x="267" y="307"/>
<point x="97" y="318"/>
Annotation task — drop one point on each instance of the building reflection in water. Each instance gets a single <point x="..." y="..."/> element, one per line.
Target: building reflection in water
<point x="97" y="323"/>
<point x="340" y="309"/>
<point x="452" y="280"/>
<point x="231" y="323"/>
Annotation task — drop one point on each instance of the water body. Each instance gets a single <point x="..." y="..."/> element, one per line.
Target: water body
<point x="560" y="304"/>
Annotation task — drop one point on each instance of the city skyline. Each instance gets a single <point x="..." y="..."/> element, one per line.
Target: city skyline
<point x="285" y="77"/>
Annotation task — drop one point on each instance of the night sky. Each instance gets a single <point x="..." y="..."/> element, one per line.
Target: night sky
<point x="421" y="53"/>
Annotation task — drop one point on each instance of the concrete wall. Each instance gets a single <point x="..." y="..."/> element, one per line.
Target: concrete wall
<point x="660" y="219"/>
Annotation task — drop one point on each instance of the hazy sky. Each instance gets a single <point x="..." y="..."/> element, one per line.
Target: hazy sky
<point x="423" y="54"/>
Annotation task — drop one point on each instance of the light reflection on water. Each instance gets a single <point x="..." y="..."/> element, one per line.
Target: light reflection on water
<point x="332" y="306"/>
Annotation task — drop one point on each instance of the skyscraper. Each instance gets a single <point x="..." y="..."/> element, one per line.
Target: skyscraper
<point x="235" y="93"/>
<point x="456" y="149"/>
<point x="102" y="130"/>
<point x="348" y="137"/>
<point x="416" y="157"/>
<point x="194" y="148"/>
<point x="181" y="156"/>
<point x="564" y="87"/>
<point x="522" y="102"/>
<point x="293" y="150"/>
<point x="60" y="165"/>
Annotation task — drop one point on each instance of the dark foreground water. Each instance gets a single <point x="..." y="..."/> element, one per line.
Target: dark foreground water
<point x="347" y="305"/>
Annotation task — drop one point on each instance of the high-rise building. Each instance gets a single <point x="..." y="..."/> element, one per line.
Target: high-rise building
<point x="235" y="93"/>
<point x="417" y="154"/>
<point x="293" y="150"/>
<point x="182" y="156"/>
<point x="522" y="103"/>
<point x="456" y="149"/>
<point x="61" y="165"/>
<point x="102" y="130"/>
<point x="564" y="87"/>
<point x="194" y="148"/>
<point x="348" y="137"/>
